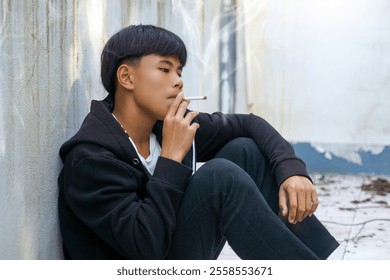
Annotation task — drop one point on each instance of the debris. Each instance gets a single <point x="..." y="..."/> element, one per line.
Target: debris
<point x="320" y="179"/>
<point x="379" y="186"/>
<point x="347" y="209"/>
<point x="361" y="201"/>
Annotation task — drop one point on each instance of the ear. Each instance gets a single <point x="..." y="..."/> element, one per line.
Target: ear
<point x="124" y="76"/>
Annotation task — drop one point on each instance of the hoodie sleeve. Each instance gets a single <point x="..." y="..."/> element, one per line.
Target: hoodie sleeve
<point x="106" y="195"/>
<point x="218" y="129"/>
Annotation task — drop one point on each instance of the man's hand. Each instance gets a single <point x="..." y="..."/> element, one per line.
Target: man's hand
<point x="297" y="198"/>
<point x="178" y="130"/>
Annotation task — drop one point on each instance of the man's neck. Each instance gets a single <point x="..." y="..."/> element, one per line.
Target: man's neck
<point x="137" y="126"/>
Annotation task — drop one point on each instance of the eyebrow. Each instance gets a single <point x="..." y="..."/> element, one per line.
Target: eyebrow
<point x="170" y="64"/>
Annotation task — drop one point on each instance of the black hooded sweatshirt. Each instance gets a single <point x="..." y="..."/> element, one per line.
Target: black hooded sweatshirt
<point x="110" y="207"/>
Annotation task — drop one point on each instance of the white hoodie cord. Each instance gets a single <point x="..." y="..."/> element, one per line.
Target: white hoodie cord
<point x="193" y="157"/>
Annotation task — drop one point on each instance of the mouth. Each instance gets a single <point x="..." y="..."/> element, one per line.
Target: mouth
<point x="173" y="96"/>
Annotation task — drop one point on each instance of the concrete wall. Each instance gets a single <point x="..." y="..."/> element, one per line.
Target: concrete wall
<point x="318" y="72"/>
<point x="323" y="78"/>
<point x="49" y="62"/>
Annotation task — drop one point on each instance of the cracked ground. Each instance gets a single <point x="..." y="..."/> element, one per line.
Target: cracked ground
<point x="356" y="210"/>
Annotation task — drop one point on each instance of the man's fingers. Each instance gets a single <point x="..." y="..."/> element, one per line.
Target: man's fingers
<point x="191" y="116"/>
<point x="182" y="109"/>
<point x="315" y="203"/>
<point x="311" y="204"/>
<point x="302" y="198"/>
<point x="301" y="208"/>
<point x="195" y="125"/>
<point x="175" y="104"/>
<point x="283" y="202"/>
<point x="293" y="205"/>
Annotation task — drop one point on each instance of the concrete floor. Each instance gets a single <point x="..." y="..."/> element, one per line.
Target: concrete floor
<point x="356" y="210"/>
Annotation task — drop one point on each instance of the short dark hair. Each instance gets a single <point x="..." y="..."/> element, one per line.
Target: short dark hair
<point x="134" y="42"/>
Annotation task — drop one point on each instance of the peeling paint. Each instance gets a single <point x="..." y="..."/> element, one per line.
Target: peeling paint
<point x="350" y="153"/>
<point x="345" y="158"/>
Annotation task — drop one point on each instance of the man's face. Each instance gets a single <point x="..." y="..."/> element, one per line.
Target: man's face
<point x="157" y="81"/>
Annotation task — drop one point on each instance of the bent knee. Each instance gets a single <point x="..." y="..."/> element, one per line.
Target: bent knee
<point x="223" y="173"/>
<point x="241" y="150"/>
<point x="218" y="170"/>
<point x="219" y="165"/>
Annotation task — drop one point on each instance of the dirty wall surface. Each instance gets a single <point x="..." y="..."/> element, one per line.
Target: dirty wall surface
<point x="317" y="70"/>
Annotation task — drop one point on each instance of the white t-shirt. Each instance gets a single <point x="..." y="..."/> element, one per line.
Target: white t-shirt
<point x="154" y="149"/>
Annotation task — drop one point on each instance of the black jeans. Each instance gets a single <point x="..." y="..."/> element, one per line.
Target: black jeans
<point x="234" y="197"/>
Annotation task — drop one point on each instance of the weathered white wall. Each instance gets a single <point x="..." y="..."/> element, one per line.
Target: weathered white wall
<point x="321" y="72"/>
<point x="49" y="63"/>
<point x="317" y="70"/>
<point x="48" y="69"/>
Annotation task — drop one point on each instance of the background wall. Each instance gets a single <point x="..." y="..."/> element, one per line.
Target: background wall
<point x="322" y="77"/>
<point x="317" y="70"/>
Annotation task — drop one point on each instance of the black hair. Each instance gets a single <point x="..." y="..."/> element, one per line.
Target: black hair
<point x="134" y="42"/>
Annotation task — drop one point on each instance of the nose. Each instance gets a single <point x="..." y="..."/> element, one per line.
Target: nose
<point x="179" y="83"/>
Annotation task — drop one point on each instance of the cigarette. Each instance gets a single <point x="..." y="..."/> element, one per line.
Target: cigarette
<point x="195" y="98"/>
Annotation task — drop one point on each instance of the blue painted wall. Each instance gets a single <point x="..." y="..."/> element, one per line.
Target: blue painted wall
<point x="317" y="162"/>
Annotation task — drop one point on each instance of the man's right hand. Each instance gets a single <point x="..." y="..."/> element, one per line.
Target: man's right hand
<point x="178" y="130"/>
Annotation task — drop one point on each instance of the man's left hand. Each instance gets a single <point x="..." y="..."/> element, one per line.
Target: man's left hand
<point x="297" y="198"/>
